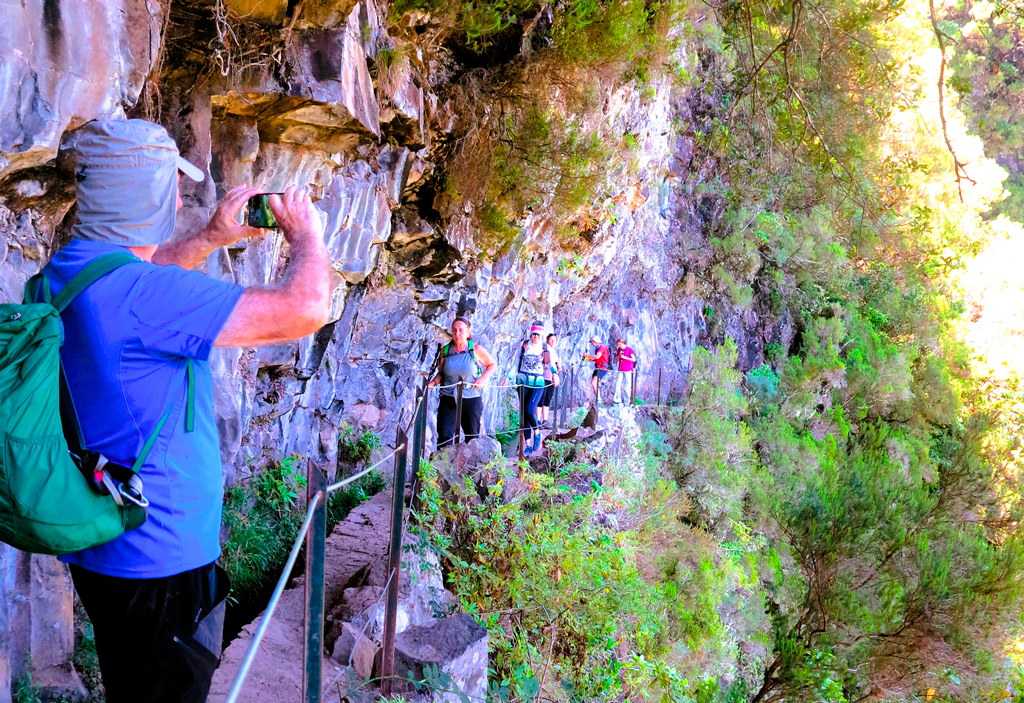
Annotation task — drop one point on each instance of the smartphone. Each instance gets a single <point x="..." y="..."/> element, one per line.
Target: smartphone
<point x="258" y="213"/>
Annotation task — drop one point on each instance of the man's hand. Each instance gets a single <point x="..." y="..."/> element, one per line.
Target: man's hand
<point x="299" y="220"/>
<point x="300" y="303"/>
<point x="223" y="229"/>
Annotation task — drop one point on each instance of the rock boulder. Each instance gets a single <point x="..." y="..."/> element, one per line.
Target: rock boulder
<point x="457" y="646"/>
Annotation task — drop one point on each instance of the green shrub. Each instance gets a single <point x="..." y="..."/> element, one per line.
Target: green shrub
<point x="510" y="408"/>
<point x="356" y="448"/>
<point x="714" y="454"/>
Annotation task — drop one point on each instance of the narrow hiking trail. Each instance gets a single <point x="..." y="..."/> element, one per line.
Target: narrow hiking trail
<point x="356" y="574"/>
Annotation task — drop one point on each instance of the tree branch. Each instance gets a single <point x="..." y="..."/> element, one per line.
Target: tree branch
<point x="958" y="166"/>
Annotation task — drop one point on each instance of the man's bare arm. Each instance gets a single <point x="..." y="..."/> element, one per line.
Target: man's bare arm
<point x="222" y="230"/>
<point x="300" y="304"/>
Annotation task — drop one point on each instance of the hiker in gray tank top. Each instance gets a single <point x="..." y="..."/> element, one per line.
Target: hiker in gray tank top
<point x="461" y="360"/>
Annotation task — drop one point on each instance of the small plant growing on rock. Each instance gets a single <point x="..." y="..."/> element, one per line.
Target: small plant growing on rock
<point x="356" y="448"/>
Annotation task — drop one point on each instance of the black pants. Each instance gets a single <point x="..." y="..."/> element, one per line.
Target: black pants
<point x="472" y="409"/>
<point x="158" y="640"/>
<point x="532" y="396"/>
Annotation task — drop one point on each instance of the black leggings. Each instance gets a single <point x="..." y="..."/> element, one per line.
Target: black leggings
<point x="532" y="396"/>
<point x="472" y="409"/>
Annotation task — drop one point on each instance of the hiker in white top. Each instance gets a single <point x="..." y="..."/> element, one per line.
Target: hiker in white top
<point x="552" y="379"/>
<point x="533" y="357"/>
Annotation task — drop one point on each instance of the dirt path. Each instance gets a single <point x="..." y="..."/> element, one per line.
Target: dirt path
<point x="276" y="674"/>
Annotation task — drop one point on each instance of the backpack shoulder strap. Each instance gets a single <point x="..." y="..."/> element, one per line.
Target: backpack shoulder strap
<point x="90" y="273"/>
<point x="38" y="285"/>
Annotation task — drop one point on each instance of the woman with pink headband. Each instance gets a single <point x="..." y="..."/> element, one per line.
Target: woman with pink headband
<point x="534" y="357"/>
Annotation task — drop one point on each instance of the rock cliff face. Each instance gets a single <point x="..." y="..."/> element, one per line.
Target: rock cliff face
<point x="290" y="99"/>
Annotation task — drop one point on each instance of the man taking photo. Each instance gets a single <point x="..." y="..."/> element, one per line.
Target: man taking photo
<point x="135" y="358"/>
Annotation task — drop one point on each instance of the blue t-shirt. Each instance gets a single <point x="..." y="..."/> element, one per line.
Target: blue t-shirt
<point x="127" y="341"/>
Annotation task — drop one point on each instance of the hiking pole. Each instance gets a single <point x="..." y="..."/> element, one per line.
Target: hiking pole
<point x="387" y="669"/>
<point x="316" y="542"/>
<point x="458" y="413"/>
<point x="659" y="385"/>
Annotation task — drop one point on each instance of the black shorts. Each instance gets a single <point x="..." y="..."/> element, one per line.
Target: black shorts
<point x="599" y="374"/>
<point x="547" y="395"/>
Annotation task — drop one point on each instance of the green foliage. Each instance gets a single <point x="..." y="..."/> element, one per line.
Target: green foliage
<point x="24" y="691"/>
<point x="534" y="159"/>
<point x="84" y="656"/>
<point x="343" y="501"/>
<point x="584" y="32"/>
<point x="550" y="586"/>
<point x="570" y="266"/>
<point x="714" y="454"/>
<point x="988" y="76"/>
<point x="510" y="411"/>
<point x="356" y="449"/>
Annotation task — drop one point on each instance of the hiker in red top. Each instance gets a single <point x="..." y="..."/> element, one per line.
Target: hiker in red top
<point x="601" y="358"/>
<point x="626" y="361"/>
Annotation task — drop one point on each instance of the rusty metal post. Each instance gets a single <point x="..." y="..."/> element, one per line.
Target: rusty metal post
<point x="418" y="427"/>
<point x="423" y="425"/>
<point x="572" y="389"/>
<point x="565" y="389"/>
<point x="632" y="391"/>
<point x="316" y="542"/>
<point x="458" y="413"/>
<point x="555" y="393"/>
<point x="394" y="566"/>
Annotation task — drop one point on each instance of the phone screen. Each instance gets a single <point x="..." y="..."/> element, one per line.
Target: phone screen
<point x="258" y="213"/>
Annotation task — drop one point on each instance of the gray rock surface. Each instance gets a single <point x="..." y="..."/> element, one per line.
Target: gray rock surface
<point x="36" y="623"/>
<point x="65" y="63"/>
<point x="457" y="646"/>
<point x="352" y="646"/>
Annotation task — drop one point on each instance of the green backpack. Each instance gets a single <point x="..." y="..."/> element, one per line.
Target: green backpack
<point x="55" y="496"/>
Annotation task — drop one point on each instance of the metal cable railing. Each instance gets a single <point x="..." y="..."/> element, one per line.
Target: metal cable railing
<point x="344" y="482"/>
<point x="313" y="532"/>
<point x="254" y="646"/>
